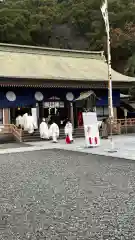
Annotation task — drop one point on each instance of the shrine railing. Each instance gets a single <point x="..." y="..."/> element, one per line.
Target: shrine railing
<point x="11" y="129"/>
<point x="124" y="126"/>
<point x="121" y="126"/>
<point x="17" y="133"/>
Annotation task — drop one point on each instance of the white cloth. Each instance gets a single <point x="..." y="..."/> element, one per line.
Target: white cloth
<point x="54" y="132"/>
<point x="25" y="121"/>
<point x="44" y="132"/>
<point x="19" y="121"/>
<point x="31" y="124"/>
<point x="69" y="130"/>
<point x="35" y="124"/>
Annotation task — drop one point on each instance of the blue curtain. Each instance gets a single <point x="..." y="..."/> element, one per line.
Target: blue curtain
<point x="25" y="96"/>
<point x="103" y="101"/>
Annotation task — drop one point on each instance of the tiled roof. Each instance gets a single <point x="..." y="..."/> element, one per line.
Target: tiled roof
<point x="54" y="64"/>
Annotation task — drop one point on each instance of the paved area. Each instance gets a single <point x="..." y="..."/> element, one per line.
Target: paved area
<point x="13" y="145"/>
<point x="60" y="195"/>
<point x="124" y="146"/>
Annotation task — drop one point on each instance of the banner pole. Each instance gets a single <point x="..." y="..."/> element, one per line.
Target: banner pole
<point x="110" y="101"/>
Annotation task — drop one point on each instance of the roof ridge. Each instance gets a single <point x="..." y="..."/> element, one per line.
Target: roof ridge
<point x="56" y="50"/>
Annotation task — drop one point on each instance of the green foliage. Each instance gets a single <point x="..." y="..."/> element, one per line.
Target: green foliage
<point x="130" y="66"/>
<point x="71" y="24"/>
<point x="131" y="93"/>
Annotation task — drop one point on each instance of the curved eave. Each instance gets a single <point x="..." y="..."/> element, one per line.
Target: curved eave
<point x="41" y="83"/>
<point x="31" y="78"/>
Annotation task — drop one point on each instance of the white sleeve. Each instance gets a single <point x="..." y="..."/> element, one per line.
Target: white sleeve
<point x="50" y="131"/>
<point x="58" y="131"/>
<point x="66" y="130"/>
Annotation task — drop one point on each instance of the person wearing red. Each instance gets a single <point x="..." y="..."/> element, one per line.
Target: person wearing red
<point x="80" y="119"/>
<point x="69" y="132"/>
<point x="68" y="140"/>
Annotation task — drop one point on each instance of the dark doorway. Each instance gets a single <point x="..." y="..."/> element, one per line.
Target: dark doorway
<point x="15" y="112"/>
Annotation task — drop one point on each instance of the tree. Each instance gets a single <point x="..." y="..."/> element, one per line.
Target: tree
<point x="71" y="24"/>
<point x="130" y="66"/>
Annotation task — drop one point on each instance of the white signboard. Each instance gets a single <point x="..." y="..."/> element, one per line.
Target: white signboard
<point x="91" y="129"/>
<point x="34" y="115"/>
<point x="53" y="104"/>
<point x="89" y="118"/>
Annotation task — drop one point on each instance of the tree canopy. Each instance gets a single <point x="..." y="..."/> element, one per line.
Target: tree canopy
<point x="72" y="24"/>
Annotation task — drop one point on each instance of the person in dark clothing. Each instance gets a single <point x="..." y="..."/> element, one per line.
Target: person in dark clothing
<point x="104" y="129"/>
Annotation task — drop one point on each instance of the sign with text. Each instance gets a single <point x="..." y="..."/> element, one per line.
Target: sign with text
<point x="53" y="104"/>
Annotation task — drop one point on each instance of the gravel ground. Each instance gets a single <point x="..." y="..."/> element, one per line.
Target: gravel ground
<point x="59" y="195"/>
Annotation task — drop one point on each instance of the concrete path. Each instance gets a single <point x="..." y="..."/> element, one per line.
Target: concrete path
<point x="124" y="146"/>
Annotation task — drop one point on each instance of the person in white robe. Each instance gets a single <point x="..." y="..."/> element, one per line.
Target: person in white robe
<point x="25" y="121"/>
<point x="30" y="124"/>
<point x="54" y="132"/>
<point x="19" y="121"/>
<point x="43" y="129"/>
<point x="69" y="130"/>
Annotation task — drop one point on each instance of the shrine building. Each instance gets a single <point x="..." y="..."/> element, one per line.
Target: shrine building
<point x="51" y="79"/>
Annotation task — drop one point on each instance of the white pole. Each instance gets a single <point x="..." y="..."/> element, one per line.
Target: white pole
<point x="110" y="101"/>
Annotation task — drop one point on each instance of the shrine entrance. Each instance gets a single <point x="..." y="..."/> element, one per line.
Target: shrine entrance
<point x="15" y="112"/>
<point x="57" y="110"/>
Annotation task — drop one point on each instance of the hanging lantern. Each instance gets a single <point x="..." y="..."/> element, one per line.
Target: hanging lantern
<point x="11" y="96"/>
<point x="70" y="96"/>
<point x="39" y="96"/>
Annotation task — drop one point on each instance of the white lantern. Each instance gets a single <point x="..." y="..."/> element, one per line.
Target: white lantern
<point x="69" y="96"/>
<point x="11" y="96"/>
<point x="39" y="96"/>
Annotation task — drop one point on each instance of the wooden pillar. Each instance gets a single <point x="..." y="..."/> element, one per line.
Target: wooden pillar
<point x="72" y="113"/>
<point x="75" y="115"/>
<point x="115" y="112"/>
<point x="6" y="116"/>
<point x="41" y="111"/>
<point x="1" y="116"/>
<point x="13" y="120"/>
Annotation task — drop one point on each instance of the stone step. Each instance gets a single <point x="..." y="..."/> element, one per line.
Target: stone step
<point x="61" y="131"/>
<point x="36" y="136"/>
<point x="32" y="138"/>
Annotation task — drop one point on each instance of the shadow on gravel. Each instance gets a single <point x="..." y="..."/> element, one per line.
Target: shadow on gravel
<point x="99" y="157"/>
